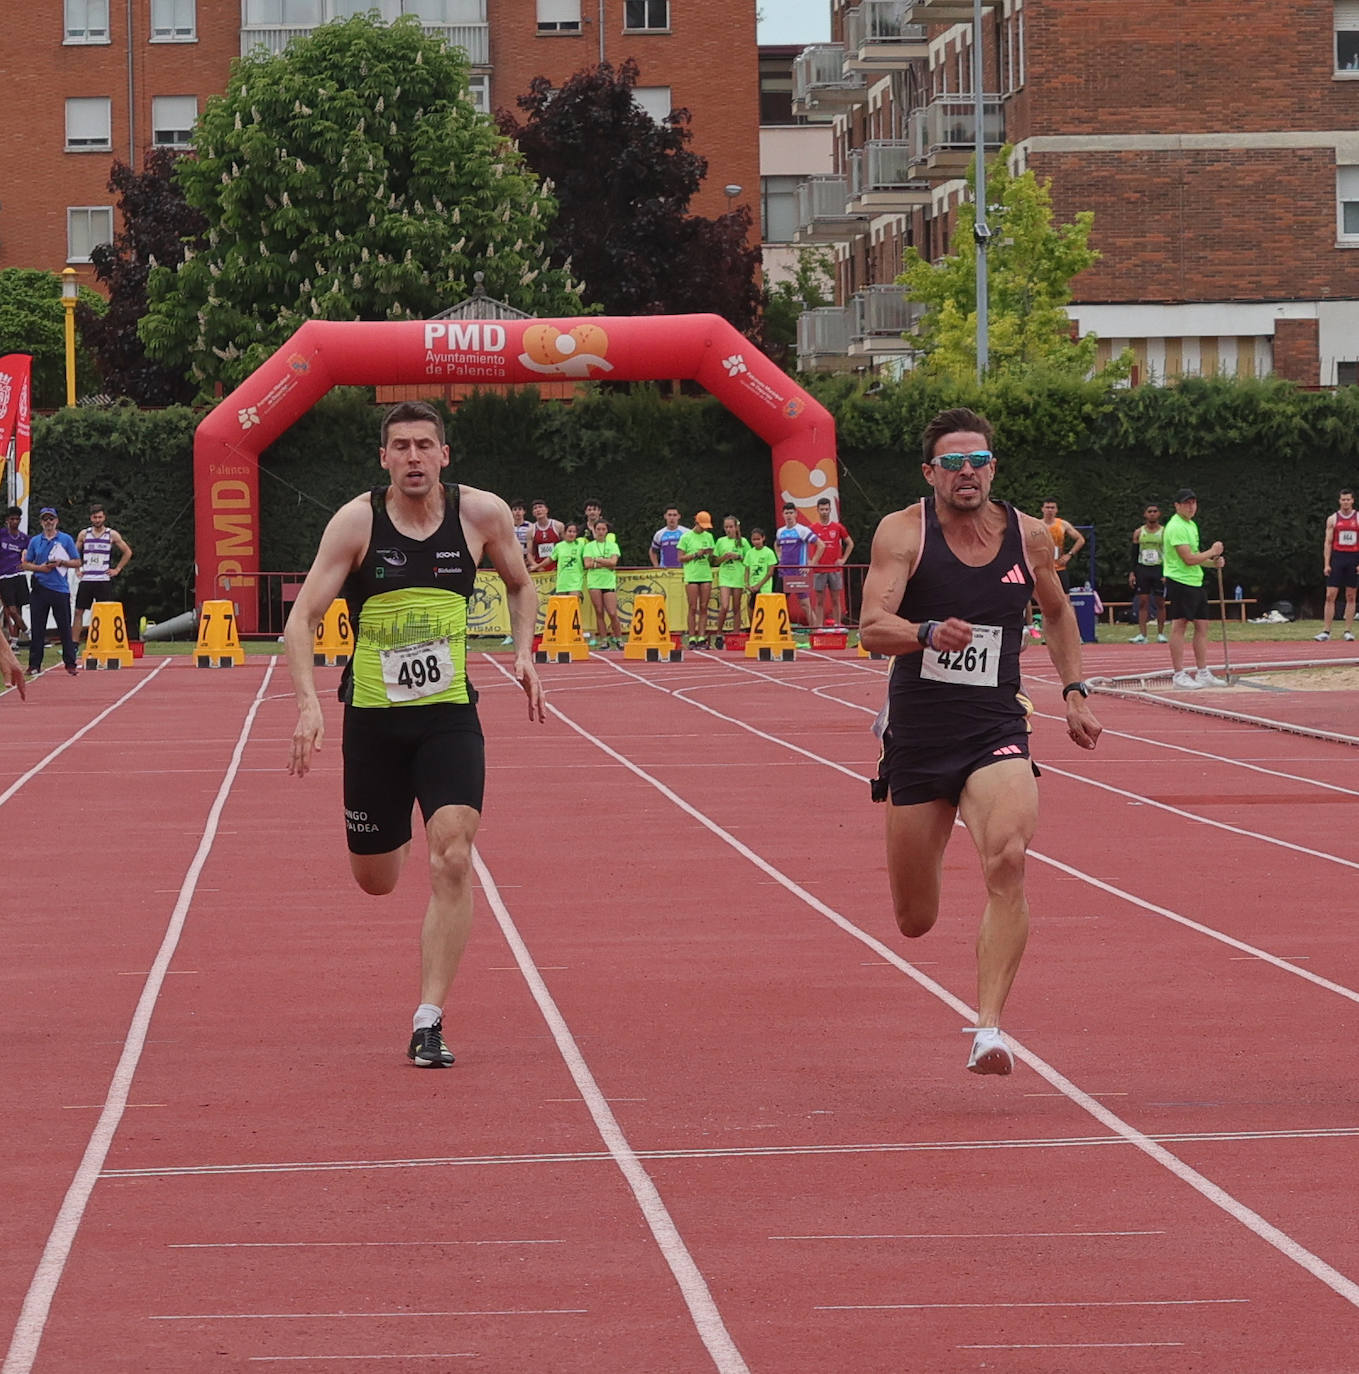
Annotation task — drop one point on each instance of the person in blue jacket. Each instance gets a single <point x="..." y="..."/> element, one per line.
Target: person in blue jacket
<point x="47" y="557"/>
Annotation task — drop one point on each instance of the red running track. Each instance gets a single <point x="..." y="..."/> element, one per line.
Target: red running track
<point x="706" y="1115"/>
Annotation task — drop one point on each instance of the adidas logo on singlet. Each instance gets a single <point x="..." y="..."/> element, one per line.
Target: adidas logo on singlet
<point x="1016" y="574"/>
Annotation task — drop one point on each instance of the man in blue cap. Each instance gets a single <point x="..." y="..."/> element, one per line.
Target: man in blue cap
<point x="47" y="557"/>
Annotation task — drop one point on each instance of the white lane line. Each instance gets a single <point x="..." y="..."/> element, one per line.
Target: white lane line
<point x="362" y="1316"/>
<point x="953" y="1306"/>
<point x="28" y="1331"/>
<point x="692" y="1285"/>
<point x="725" y="1152"/>
<point x="337" y="1244"/>
<point x="1076" y="1345"/>
<point x="1143" y="800"/>
<point x="1251" y="951"/>
<point x="80" y="734"/>
<point x="313" y="1359"/>
<point x="1204" y="1186"/>
<point x="979" y="1235"/>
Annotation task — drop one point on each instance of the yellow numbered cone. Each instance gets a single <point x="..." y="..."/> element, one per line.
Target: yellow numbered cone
<point x="334" y="640"/>
<point x="107" y="645"/>
<point x="649" y="632"/>
<point x="562" y="640"/>
<point x="771" y="631"/>
<point x="219" y="645"/>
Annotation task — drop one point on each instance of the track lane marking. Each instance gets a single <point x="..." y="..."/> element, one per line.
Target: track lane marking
<point x="28" y="1330"/>
<point x="693" y="1286"/>
<point x="1292" y="1250"/>
<point x="81" y="733"/>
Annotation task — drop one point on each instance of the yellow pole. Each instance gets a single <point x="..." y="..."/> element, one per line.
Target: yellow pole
<point x="70" y="292"/>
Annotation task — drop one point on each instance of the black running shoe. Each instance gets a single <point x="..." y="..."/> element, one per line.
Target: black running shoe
<point x="428" y="1050"/>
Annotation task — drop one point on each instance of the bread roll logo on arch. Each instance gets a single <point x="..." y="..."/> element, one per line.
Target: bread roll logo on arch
<point x="805" y="486"/>
<point x="577" y="352"/>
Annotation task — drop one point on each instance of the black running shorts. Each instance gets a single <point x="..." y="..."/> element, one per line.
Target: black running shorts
<point x="914" y="777"/>
<point x="87" y="593"/>
<point x="14" y="590"/>
<point x="397" y="756"/>
<point x="1184" y="602"/>
<point x="1150" y="581"/>
<point x="1344" y="570"/>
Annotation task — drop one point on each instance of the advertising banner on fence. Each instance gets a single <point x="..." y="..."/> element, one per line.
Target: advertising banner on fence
<point x="488" y="613"/>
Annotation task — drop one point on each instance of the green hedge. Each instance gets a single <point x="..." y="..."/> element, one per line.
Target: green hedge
<point x="1265" y="458"/>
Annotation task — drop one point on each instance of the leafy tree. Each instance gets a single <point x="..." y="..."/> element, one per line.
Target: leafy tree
<point x="811" y="286"/>
<point x="348" y="177"/>
<point x="159" y="226"/>
<point x="32" y="320"/>
<point x="1030" y="264"/>
<point x="623" y="182"/>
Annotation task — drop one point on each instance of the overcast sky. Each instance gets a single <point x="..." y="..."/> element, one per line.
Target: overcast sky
<point x="793" y="21"/>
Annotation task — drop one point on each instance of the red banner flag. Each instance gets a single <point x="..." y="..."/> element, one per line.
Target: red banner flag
<point x="16" y="376"/>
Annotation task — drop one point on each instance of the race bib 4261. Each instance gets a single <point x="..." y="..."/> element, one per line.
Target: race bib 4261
<point x="976" y="665"/>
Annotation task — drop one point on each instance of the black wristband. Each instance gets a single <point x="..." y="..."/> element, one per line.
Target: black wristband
<point x="924" y="632"/>
<point x="1081" y="687"/>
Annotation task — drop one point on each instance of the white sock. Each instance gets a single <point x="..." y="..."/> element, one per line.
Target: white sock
<point x="426" y="1014"/>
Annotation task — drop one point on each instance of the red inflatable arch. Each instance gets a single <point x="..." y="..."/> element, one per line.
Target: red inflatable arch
<point x="322" y="354"/>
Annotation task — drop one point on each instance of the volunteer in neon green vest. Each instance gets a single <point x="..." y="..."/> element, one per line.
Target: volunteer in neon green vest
<point x="1185" y="597"/>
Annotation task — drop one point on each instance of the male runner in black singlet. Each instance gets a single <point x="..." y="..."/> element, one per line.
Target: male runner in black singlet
<point x="405" y="557"/>
<point x="946" y="593"/>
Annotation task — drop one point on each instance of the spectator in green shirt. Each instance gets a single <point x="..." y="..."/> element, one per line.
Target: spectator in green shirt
<point x="1185" y="597"/>
<point x="695" y="551"/>
<point x="760" y="564"/>
<point x="600" y="557"/>
<point x="729" y="553"/>
<point x="568" y="556"/>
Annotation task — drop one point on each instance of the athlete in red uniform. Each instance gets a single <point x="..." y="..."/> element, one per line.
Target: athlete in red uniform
<point x="1340" y="559"/>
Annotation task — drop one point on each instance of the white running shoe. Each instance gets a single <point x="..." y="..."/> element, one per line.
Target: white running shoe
<point x="1322" y="637"/>
<point x="1184" y="678"/>
<point x="1349" y="636"/>
<point x="1205" y="678"/>
<point x="1161" y="639"/>
<point x="990" y="1054"/>
<point x="1138" y="639"/>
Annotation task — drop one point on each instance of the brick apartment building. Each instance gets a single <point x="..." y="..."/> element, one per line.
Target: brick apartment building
<point x="1217" y="143"/>
<point x="94" y="80"/>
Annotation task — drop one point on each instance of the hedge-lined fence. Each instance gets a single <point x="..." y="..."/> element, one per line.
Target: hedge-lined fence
<point x="1265" y="458"/>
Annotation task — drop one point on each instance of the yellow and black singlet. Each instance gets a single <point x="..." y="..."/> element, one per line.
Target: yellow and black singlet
<point x="408" y="609"/>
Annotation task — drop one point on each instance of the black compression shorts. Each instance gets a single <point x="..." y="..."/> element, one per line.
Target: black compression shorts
<point x="87" y="593"/>
<point x="913" y="777"/>
<point x="1150" y="580"/>
<point x="396" y="756"/>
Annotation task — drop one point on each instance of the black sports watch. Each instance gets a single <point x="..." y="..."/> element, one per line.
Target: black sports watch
<point x="1082" y="687"/>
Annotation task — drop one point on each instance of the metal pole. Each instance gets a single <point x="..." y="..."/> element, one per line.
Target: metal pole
<point x="982" y="231"/>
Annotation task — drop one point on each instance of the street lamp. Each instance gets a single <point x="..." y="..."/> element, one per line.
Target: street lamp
<point x="70" y="293"/>
<point x="731" y="191"/>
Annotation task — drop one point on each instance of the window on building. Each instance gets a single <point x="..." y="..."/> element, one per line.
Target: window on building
<point x="1347" y="373"/>
<point x="776" y="98"/>
<point x="172" y="120"/>
<point x="778" y="208"/>
<point x="89" y="125"/>
<point x="446" y="12"/>
<point x="265" y="13"/>
<point x="1347" y="194"/>
<point x="87" y="226"/>
<point x="646" y="14"/>
<point x="87" y="21"/>
<point x="558" y="16"/>
<point x="479" y="88"/>
<point x="173" y="21"/>
<point x="1347" y="35"/>
<point x="655" y="100"/>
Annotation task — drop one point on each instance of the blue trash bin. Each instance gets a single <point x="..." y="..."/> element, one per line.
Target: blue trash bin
<point x="1083" y="603"/>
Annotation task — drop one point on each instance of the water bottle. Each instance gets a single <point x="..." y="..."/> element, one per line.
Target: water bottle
<point x="1239" y="594"/>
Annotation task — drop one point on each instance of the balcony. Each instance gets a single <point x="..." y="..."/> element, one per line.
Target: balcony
<point x="820" y="83"/>
<point x="473" y="39"/>
<point x="941" y="11"/>
<point x="880" y="180"/>
<point x="823" y="339"/>
<point x="943" y="137"/>
<point x="881" y="317"/>
<point x="878" y="40"/>
<point x="821" y="213"/>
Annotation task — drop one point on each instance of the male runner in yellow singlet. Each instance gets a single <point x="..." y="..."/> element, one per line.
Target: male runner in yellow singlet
<point x="405" y="556"/>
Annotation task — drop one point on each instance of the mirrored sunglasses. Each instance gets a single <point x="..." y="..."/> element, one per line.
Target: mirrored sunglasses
<point x="953" y="462"/>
